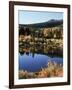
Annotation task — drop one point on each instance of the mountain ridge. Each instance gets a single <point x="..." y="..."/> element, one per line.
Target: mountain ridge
<point x="50" y="23"/>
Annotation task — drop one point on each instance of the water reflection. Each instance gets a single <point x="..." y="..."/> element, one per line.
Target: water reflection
<point x="35" y="62"/>
<point x="35" y="56"/>
<point x="39" y="51"/>
<point x="40" y="48"/>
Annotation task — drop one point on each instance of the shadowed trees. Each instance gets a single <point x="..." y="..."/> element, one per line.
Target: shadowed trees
<point x="24" y="31"/>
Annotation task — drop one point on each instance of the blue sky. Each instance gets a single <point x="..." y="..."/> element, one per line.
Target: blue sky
<point x="29" y="17"/>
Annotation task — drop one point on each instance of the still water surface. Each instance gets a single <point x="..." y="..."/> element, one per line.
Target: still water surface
<point x="34" y="63"/>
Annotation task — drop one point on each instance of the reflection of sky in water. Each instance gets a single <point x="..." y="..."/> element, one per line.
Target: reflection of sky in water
<point x="36" y="62"/>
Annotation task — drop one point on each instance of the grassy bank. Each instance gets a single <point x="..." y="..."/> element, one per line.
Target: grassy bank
<point x="52" y="70"/>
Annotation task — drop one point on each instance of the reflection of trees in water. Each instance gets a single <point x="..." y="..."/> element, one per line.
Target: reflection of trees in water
<point x="40" y="49"/>
<point x="27" y="53"/>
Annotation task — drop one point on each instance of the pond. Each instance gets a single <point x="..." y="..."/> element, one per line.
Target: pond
<point x="35" y="62"/>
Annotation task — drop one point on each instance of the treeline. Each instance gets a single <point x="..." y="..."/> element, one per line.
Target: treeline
<point x="54" y="32"/>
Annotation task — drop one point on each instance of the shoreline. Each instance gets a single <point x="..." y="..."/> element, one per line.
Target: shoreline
<point x="52" y="70"/>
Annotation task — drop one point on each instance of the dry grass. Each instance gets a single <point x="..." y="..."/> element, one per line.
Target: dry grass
<point x="52" y="70"/>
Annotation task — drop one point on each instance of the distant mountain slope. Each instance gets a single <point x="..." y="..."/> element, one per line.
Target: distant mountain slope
<point x="51" y="23"/>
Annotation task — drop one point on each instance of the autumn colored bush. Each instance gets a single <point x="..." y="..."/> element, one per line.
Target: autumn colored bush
<point x="52" y="70"/>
